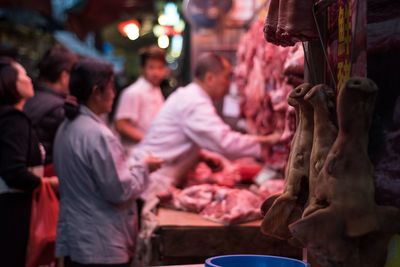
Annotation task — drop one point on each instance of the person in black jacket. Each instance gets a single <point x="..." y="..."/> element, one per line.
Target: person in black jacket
<point x="20" y="159"/>
<point x="45" y="109"/>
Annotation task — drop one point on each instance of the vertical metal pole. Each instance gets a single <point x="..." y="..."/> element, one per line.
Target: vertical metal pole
<point x="315" y="69"/>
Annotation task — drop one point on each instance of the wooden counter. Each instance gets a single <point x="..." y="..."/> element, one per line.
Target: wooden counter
<point x="169" y="217"/>
<point x="187" y="238"/>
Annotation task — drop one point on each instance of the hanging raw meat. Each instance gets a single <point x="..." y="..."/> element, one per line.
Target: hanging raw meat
<point x="322" y="98"/>
<point x="294" y="65"/>
<point x="288" y="207"/>
<point x="271" y="22"/>
<point x="290" y="21"/>
<point x="334" y="234"/>
<point x="265" y="75"/>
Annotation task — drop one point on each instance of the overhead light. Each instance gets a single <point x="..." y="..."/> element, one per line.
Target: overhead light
<point x="176" y="46"/>
<point x="180" y="26"/>
<point x="163" y="20"/>
<point x="163" y="41"/>
<point x="130" y="29"/>
<point x="158" y="30"/>
<point x="170" y="16"/>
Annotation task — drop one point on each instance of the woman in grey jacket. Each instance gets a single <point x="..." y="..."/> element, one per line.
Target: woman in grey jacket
<point x="98" y="185"/>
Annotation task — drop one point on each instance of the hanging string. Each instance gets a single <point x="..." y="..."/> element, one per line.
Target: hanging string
<point x="310" y="68"/>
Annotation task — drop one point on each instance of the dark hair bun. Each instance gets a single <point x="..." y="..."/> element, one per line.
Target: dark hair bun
<point x="71" y="107"/>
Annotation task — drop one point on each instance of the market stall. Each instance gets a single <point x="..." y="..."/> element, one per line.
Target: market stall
<point x="323" y="74"/>
<point x="218" y="212"/>
<point x="329" y="206"/>
<point x="183" y="237"/>
<point x="209" y="219"/>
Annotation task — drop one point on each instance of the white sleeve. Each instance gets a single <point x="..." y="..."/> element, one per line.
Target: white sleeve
<point x="118" y="180"/>
<point x="128" y="106"/>
<point x="203" y="126"/>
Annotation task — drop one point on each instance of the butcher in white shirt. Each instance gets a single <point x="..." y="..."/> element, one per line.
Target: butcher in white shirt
<point x="188" y="122"/>
<point x="140" y="102"/>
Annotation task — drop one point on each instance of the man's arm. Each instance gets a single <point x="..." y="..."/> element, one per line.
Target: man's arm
<point x="270" y="139"/>
<point x="206" y="129"/>
<point x="125" y="128"/>
<point x="127" y="114"/>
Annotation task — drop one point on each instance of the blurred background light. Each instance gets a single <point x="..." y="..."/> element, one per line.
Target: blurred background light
<point x="163" y="41"/>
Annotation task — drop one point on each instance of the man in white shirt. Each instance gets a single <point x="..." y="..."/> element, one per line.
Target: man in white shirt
<point x="188" y="122"/>
<point x="140" y="102"/>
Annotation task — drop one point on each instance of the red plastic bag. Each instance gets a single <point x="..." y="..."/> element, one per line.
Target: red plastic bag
<point x="49" y="170"/>
<point x="43" y="225"/>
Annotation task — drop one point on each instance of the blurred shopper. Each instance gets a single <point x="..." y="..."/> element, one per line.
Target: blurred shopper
<point x="45" y="109"/>
<point x="140" y="102"/>
<point x="98" y="186"/>
<point x="189" y="122"/>
<point x="21" y="159"/>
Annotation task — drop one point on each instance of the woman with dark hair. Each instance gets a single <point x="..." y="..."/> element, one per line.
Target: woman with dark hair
<point x="45" y="109"/>
<point x="21" y="161"/>
<point x="98" y="185"/>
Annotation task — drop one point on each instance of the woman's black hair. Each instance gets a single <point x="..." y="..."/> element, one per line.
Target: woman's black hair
<point x="56" y="60"/>
<point x="86" y="74"/>
<point x="8" y="82"/>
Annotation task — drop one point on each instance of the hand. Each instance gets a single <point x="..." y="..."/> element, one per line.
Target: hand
<point x="53" y="181"/>
<point x="153" y="163"/>
<point x="213" y="162"/>
<point x="270" y="139"/>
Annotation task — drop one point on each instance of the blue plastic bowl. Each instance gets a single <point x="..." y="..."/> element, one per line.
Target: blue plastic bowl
<point x="253" y="261"/>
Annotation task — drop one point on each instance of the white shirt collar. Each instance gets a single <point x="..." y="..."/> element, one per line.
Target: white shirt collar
<point x="84" y="110"/>
<point x="147" y="84"/>
<point x="200" y="90"/>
